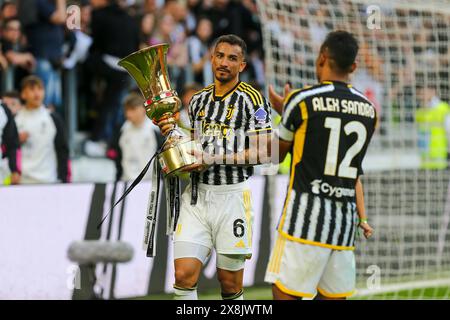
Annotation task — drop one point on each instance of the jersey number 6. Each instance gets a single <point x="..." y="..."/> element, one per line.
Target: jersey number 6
<point x="238" y="228"/>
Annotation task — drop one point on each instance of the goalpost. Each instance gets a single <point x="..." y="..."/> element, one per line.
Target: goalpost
<point x="404" y="53"/>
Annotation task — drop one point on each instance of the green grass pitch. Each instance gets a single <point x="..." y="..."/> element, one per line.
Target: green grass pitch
<point x="265" y="293"/>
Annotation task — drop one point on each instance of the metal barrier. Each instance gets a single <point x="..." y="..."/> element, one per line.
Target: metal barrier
<point x="70" y="100"/>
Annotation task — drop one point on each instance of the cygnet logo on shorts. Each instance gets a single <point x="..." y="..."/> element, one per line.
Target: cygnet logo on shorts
<point x="319" y="187"/>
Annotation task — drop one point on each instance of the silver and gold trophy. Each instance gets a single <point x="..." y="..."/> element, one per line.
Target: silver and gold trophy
<point x="148" y="67"/>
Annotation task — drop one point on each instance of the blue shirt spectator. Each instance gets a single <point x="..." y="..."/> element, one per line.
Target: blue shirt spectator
<point x="45" y="38"/>
<point x="44" y="30"/>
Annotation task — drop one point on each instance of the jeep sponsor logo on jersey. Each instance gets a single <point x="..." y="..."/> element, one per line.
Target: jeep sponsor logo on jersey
<point x="318" y="187"/>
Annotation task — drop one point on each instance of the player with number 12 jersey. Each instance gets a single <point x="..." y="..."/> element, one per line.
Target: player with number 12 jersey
<point x="328" y="128"/>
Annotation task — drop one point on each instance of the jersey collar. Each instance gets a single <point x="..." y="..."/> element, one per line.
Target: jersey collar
<point x="335" y="82"/>
<point x="214" y="97"/>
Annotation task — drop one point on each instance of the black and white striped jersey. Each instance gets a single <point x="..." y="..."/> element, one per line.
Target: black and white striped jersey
<point x="331" y="125"/>
<point x="223" y="124"/>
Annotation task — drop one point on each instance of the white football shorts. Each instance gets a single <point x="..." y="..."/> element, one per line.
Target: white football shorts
<point x="221" y="219"/>
<point x="301" y="269"/>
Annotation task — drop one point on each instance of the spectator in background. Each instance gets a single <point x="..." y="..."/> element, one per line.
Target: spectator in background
<point x="9" y="147"/>
<point x="177" y="56"/>
<point x="194" y="8"/>
<point x="233" y="18"/>
<point x="8" y="10"/>
<point x="14" y="50"/>
<point x="433" y="120"/>
<point x="82" y="41"/>
<point x="3" y="62"/>
<point x="150" y="6"/>
<point x="317" y="27"/>
<point x="147" y="23"/>
<point x="164" y="30"/>
<point x="135" y="142"/>
<point x="369" y="77"/>
<point x="188" y="91"/>
<point x="45" y="152"/>
<point x="12" y="100"/>
<point x="78" y="56"/>
<point x="115" y="34"/>
<point x="45" y="35"/>
<point x="199" y="54"/>
<point x="179" y="13"/>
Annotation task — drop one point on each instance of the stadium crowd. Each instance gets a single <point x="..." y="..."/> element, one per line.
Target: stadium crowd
<point x="52" y="38"/>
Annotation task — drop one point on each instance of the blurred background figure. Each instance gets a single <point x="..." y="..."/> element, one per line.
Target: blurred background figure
<point x="8" y="10"/>
<point x="115" y="34"/>
<point x="186" y="94"/>
<point x="199" y="53"/>
<point x="9" y="148"/>
<point x="44" y="31"/>
<point x="80" y="38"/>
<point x="77" y="62"/>
<point x="45" y="153"/>
<point x="147" y="23"/>
<point x="12" y="100"/>
<point x="21" y="62"/>
<point x="135" y="142"/>
<point x="168" y="31"/>
<point x="433" y="120"/>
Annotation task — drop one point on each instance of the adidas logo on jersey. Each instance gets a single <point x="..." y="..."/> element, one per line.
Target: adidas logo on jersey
<point x="318" y="187"/>
<point x="240" y="244"/>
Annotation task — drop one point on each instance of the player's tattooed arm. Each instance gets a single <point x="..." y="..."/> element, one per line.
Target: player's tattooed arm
<point x="258" y="152"/>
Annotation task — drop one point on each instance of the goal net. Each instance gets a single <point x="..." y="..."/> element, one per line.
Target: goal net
<point x="403" y="67"/>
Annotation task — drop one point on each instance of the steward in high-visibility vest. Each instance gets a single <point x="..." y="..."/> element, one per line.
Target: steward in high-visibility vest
<point x="433" y="135"/>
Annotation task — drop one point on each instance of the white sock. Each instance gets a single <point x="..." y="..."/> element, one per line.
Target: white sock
<point x="185" y="293"/>
<point x="233" y="296"/>
<point x="241" y="297"/>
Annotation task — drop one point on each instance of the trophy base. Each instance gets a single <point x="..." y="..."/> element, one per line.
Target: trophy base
<point x="177" y="157"/>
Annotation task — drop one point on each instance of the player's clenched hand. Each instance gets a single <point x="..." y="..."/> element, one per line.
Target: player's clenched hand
<point x="367" y="229"/>
<point x="200" y="164"/>
<point x="166" y="124"/>
<point x="277" y="100"/>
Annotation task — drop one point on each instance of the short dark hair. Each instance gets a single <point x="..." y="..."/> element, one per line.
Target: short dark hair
<point x="133" y="100"/>
<point x="7" y="3"/>
<point x="11" y="94"/>
<point x="31" y="81"/>
<point x="342" y="48"/>
<point x="233" y="40"/>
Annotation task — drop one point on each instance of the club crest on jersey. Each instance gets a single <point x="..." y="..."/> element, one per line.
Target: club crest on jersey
<point x="230" y="111"/>
<point x="201" y="114"/>
<point x="260" y="115"/>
